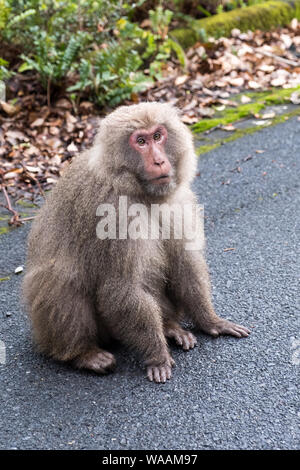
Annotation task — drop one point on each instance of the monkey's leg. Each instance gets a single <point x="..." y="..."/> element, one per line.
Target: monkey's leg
<point x="182" y="337"/>
<point x="172" y="328"/>
<point x="191" y="287"/>
<point x="134" y="317"/>
<point x="97" y="360"/>
<point x="63" y="321"/>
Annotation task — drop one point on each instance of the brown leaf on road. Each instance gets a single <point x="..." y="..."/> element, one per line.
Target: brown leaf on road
<point x="229" y="128"/>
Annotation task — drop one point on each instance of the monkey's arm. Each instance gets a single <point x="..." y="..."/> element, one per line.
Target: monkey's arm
<point x="190" y="285"/>
<point x="134" y="317"/>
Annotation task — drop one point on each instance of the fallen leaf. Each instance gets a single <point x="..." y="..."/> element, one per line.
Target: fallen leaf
<point x="9" y="109"/>
<point x="13" y="174"/>
<point x="294" y="24"/>
<point x="19" y="270"/>
<point x="279" y="81"/>
<point x="295" y="97"/>
<point x="245" y="99"/>
<point x="206" y="112"/>
<point x="63" y="103"/>
<point x="221" y="83"/>
<point x="32" y="169"/>
<point x="86" y="106"/>
<point x="72" y="147"/>
<point x="38" y="122"/>
<point x="14" y="136"/>
<point x="239" y="81"/>
<point x="228" y="128"/>
<point x="54" y="130"/>
<point x="254" y="85"/>
<point x="181" y="80"/>
<point x="270" y="115"/>
<point x="189" y="120"/>
<point x="266" y="68"/>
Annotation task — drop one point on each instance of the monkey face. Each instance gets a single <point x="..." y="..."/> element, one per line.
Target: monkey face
<point x="155" y="170"/>
<point x="146" y="150"/>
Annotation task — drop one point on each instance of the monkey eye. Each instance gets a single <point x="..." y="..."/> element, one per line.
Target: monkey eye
<point x="157" y="135"/>
<point x="141" y="140"/>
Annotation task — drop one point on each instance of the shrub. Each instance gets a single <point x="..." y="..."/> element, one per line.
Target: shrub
<point x="93" y="43"/>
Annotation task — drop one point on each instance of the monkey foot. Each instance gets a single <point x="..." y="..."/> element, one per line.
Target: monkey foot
<point x="226" y="327"/>
<point x="183" y="338"/>
<point x="160" y="373"/>
<point x="97" y="360"/>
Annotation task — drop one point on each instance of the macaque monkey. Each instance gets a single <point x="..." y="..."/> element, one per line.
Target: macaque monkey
<point x="83" y="287"/>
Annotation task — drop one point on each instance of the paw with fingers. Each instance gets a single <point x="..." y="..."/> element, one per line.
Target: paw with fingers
<point x="160" y="373"/>
<point x="226" y="327"/>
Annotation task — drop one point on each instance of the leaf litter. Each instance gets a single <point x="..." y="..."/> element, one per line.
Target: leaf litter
<point x="37" y="143"/>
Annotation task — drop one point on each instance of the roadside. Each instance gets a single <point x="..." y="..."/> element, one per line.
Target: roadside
<point x="211" y="87"/>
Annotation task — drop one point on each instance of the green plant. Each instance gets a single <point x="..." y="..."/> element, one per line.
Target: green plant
<point x="92" y="44"/>
<point x="112" y="75"/>
<point x="53" y="60"/>
<point x="160" y="46"/>
<point x="5" y="74"/>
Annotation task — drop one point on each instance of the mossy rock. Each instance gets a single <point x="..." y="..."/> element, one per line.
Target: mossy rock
<point x="263" y="16"/>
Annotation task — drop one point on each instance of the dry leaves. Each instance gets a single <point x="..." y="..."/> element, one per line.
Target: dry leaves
<point x="223" y="67"/>
<point x="36" y="143"/>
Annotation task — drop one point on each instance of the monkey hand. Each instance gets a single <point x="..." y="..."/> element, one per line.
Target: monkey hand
<point x="160" y="373"/>
<point x="182" y="338"/>
<point x="226" y="327"/>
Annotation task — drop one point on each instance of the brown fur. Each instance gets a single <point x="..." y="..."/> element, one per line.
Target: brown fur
<point x="81" y="291"/>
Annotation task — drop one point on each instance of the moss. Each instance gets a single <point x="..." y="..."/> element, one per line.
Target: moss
<point x="186" y="37"/>
<point x="273" y="96"/>
<point x="236" y="135"/>
<point x="263" y="16"/>
<point x="207" y="148"/>
<point x="4" y="230"/>
<point x="243" y="132"/>
<point x="280" y="96"/>
<point x="231" y="115"/>
<point x="228" y="116"/>
<point x="24" y="203"/>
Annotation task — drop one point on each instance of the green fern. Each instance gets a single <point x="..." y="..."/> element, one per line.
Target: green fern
<point x="4" y="13"/>
<point x="70" y="54"/>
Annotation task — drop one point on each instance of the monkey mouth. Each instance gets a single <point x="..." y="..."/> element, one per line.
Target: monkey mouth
<point x="161" y="179"/>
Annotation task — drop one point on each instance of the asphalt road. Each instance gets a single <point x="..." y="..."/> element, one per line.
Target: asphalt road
<point x="225" y="394"/>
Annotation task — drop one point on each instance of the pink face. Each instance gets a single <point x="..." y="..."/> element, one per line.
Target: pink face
<point x="150" y="144"/>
